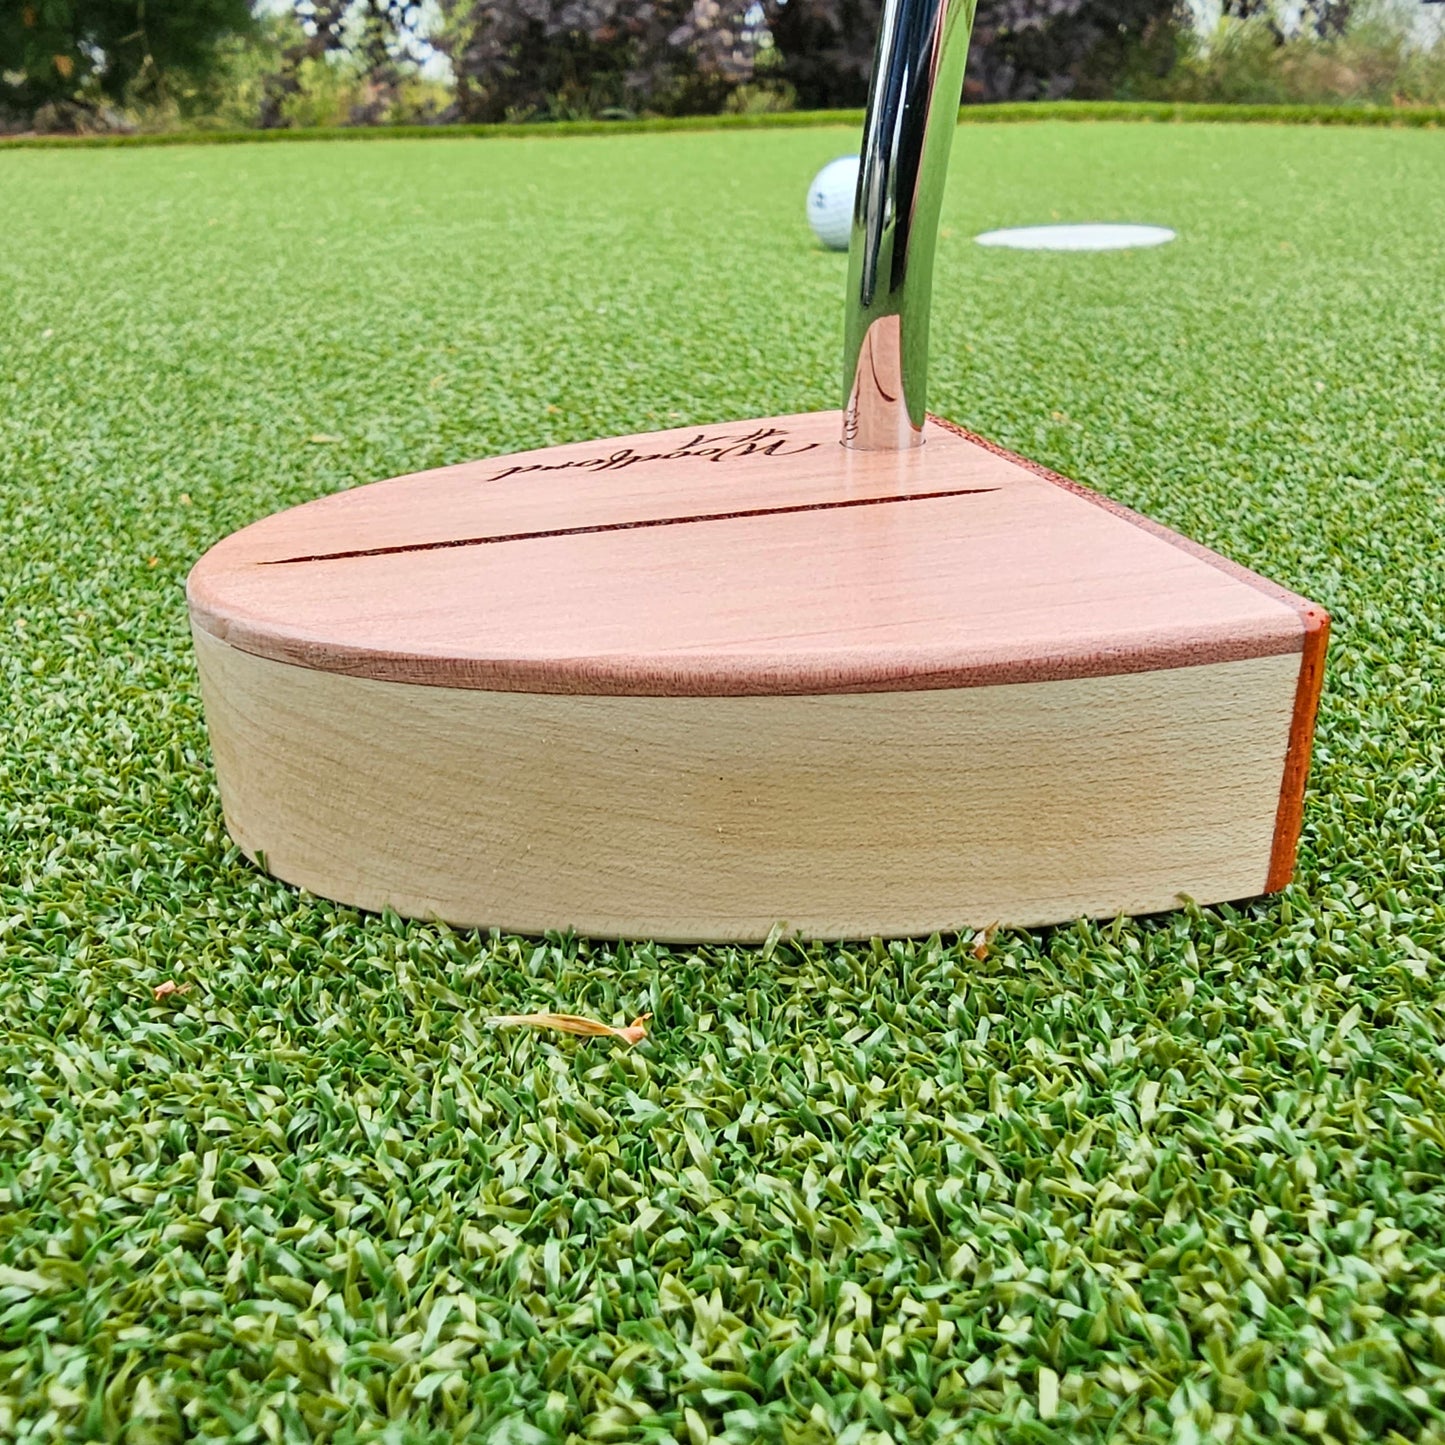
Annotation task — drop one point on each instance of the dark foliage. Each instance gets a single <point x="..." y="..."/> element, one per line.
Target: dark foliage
<point x="1022" y="49"/>
<point x="72" y="55"/>
<point x="1054" y="49"/>
<point x="551" y="58"/>
<point x="826" y="48"/>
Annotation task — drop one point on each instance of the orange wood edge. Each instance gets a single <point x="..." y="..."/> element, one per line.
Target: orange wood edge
<point x="1290" y="817"/>
<point x="1316" y="621"/>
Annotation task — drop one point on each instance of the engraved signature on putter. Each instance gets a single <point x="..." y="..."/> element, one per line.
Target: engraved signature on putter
<point x="857" y="672"/>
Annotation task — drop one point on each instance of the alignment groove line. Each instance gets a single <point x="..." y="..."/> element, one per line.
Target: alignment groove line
<point x="629" y="526"/>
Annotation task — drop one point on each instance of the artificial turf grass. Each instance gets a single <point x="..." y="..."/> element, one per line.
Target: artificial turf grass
<point x="1156" y="1179"/>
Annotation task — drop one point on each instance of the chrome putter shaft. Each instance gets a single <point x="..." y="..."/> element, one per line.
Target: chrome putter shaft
<point x="912" y="114"/>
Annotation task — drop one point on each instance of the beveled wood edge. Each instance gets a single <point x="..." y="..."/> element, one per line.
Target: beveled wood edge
<point x="743" y="674"/>
<point x="1289" y="820"/>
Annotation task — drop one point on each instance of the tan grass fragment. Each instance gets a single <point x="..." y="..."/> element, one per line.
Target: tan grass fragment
<point x="634" y="1033"/>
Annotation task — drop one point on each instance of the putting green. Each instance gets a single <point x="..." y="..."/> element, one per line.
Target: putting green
<point x="1179" y="1178"/>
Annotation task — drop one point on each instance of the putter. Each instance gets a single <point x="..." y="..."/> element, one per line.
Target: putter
<point x="853" y="673"/>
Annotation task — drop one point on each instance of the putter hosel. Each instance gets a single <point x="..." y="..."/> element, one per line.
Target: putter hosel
<point x="912" y="114"/>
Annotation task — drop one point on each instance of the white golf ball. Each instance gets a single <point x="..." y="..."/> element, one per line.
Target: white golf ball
<point x="830" y="202"/>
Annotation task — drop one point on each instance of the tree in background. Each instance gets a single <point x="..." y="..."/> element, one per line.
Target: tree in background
<point x="318" y="30"/>
<point x="825" y="48"/>
<point x="1371" y="52"/>
<point x="1022" y="49"/>
<point x="68" y="58"/>
<point x="161" y="64"/>
<point x="1060" y="49"/>
<point x="553" y="58"/>
<point x="377" y="41"/>
<point x="1324" y="18"/>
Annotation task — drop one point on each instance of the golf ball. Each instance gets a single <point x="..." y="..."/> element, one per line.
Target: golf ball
<point x="830" y="202"/>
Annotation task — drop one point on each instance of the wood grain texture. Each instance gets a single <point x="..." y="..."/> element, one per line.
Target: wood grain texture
<point x="691" y="818"/>
<point x="749" y="559"/>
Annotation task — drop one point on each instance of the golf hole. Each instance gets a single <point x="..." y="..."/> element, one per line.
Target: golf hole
<point x="1093" y="237"/>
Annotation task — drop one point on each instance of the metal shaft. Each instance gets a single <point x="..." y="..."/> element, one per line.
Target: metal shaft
<point x="912" y="114"/>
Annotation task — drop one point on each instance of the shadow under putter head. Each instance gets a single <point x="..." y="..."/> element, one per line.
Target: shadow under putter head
<point x="853" y="672"/>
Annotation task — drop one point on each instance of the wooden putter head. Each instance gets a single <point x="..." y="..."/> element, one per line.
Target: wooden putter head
<point x="854" y="672"/>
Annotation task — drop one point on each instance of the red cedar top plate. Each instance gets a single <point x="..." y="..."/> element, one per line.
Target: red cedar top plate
<point x="746" y="558"/>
